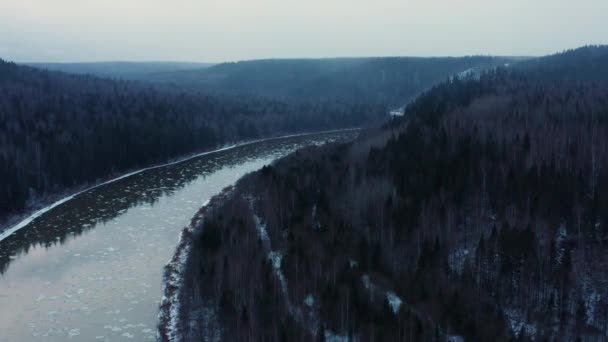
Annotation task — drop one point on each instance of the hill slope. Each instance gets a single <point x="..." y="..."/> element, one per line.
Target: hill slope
<point x="479" y="215"/>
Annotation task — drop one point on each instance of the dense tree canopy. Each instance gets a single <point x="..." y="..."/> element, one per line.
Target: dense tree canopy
<point x="59" y="130"/>
<point x="480" y="214"/>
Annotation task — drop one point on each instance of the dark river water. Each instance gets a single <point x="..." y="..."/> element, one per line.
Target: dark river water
<point x="90" y="269"/>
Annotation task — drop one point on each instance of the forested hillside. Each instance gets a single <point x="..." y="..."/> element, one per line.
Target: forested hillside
<point x="586" y="63"/>
<point x="59" y="130"/>
<point x="481" y="215"/>
<point x="388" y="81"/>
<point x="120" y="70"/>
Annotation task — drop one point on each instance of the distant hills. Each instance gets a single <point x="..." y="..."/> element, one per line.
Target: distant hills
<point x="391" y="81"/>
<point x="120" y="70"/>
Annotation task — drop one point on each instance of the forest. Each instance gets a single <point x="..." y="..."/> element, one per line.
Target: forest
<point x="59" y="131"/>
<point x="479" y="215"/>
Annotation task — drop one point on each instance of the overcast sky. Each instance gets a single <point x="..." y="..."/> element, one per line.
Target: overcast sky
<point x="222" y="30"/>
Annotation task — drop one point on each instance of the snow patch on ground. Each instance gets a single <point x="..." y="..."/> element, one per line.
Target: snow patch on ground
<point x="517" y="322"/>
<point x="309" y="300"/>
<point x="397" y="112"/>
<point x="330" y="336"/>
<point x="369" y="286"/>
<point x="592" y="299"/>
<point x="394" y="301"/>
<point x="474" y="72"/>
<point x="562" y="234"/>
<point x="457" y="259"/>
<point x="391" y="297"/>
<point x="206" y="321"/>
<point x="261" y="227"/>
<point x="366" y="282"/>
<point x="276" y="258"/>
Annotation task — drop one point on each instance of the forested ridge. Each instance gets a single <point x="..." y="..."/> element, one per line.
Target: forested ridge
<point x="391" y="81"/>
<point x="59" y="130"/>
<point x="121" y="70"/>
<point x="480" y="215"/>
<point x="568" y="65"/>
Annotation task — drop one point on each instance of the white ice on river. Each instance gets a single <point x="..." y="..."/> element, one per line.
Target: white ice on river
<point x="90" y="268"/>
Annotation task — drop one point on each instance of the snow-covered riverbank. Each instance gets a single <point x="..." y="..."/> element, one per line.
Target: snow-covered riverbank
<point x="18" y="222"/>
<point x="169" y="316"/>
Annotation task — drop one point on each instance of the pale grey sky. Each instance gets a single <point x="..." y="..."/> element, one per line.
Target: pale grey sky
<point x="221" y="30"/>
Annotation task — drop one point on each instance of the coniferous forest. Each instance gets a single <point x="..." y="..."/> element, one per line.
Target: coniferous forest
<point x="479" y="215"/>
<point x="59" y="131"/>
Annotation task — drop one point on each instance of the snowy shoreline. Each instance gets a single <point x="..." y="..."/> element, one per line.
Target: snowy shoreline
<point x="173" y="274"/>
<point x="5" y="233"/>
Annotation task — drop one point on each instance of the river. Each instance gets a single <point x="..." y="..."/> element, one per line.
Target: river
<point x="91" y="267"/>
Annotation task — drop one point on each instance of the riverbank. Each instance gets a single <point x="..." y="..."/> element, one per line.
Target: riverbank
<point x="49" y="202"/>
<point x="170" y="307"/>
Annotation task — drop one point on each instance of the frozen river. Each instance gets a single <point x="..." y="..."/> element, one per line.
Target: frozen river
<point x="90" y="268"/>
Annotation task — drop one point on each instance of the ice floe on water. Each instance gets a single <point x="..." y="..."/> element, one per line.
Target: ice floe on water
<point x="113" y="328"/>
<point x="73" y="332"/>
